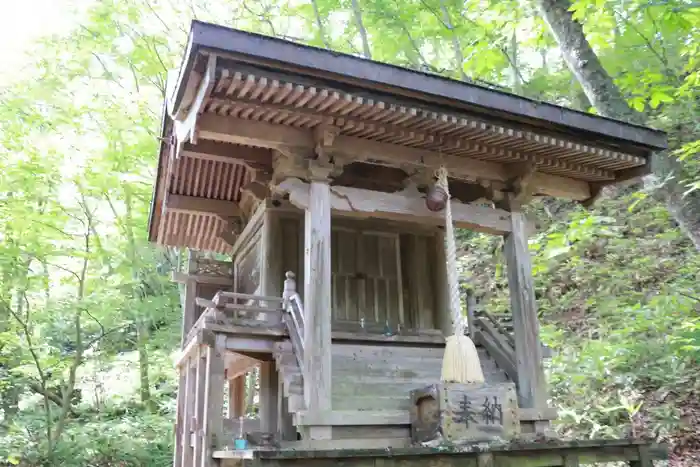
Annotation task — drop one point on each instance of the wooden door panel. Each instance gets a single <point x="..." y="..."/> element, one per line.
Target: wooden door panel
<point x="366" y="277"/>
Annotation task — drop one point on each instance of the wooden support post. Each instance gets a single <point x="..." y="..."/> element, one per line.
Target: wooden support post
<point x="317" y="296"/>
<point x="644" y="458"/>
<point x="269" y="386"/>
<point x="213" y="400"/>
<point x="182" y="441"/>
<point x="531" y="383"/>
<point x="198" y="415"/>
<point x="179" y="416"/>
<point x="285" y="421"/>
<point x="189" y="306"/>
<point x="187" y="459"/>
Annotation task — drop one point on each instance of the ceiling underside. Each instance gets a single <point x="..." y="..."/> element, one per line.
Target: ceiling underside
<point x="259" y="98"/>
<point x="216" y="180"/>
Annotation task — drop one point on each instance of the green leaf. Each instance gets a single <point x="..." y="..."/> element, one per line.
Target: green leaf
<point x="637" y="104"/>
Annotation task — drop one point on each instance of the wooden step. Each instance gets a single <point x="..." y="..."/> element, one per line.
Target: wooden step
<point x="371" y="403"/>
<point x="353" y="417"/>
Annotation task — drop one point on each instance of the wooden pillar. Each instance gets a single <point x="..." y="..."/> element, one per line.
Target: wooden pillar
<point x="198" y="415"/>
<point x="183" y="449"/>
<point x="268" y="397"/>
<point x="531" y="382"/>
<point x="189" y="307"/>
<point x="189" y="414"/>
<point x="213" y="400"/>
<point x="285" y="422"/>
<point x="317" y="300"/>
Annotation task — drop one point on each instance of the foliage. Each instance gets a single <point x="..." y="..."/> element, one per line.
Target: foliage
<point x="82" y="292"/>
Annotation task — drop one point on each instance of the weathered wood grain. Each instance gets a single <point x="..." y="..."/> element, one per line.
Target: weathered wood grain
<point x="464" y="413"/>
<point x="268" y="135"/>
<point x="408" y="205"/>
<point x="268" y="397"/>
<point x="532" y="390"/>
<point x="212" y="424"/>
<point x="317" y="287"/>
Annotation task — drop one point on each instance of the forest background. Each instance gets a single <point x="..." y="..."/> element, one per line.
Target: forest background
<point x="89" y="320"/>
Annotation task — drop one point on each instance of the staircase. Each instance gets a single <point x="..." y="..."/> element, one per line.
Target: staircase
<point x="371" y="383"/>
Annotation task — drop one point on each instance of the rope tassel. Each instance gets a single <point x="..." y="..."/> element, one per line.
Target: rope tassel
<point x="460" y="362"/>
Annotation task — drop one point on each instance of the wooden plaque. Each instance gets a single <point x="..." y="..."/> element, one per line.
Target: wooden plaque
<point x="462" y="413"/>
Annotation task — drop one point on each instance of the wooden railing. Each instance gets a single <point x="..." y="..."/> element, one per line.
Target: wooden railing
<point x="237" y="309"/>
<point x="294" y="318"/>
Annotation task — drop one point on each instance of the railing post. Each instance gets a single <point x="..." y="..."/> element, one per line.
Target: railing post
<point x="187" y="459"/>
<point x="290" y="288"/>
<point x="471" y="311"/>
<point x="180" y="416"/>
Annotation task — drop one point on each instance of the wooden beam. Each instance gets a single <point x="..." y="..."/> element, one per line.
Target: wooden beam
<point x="206" y="206"/>
<point x="185" y="128"/>
<point x="406" y="205"/>
<point x="182" y="278"/>
<point x="227" y="153"/>
<point x="273" y="136"/>
<point x="317" y="293"/>
<point x="532" y="392"/>
<point x="238" y="364"/>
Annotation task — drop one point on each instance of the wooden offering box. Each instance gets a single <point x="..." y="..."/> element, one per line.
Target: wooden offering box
<point x="462" y="413"/>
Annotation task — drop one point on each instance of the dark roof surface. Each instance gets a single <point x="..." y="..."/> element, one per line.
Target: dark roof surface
<point x="359" y="72"/>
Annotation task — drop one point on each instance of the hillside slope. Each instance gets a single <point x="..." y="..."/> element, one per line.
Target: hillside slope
<point x="618" y="289"/>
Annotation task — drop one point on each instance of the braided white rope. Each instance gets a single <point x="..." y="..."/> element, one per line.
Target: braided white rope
<point x="458" y="322"/>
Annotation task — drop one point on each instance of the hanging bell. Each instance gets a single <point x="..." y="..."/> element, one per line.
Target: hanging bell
<point x="436" y="200"/>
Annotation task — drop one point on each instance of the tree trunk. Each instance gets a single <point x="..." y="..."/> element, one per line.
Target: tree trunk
<point x="606" y="97"/>
<point x="357" y="11"/>
<point x="456" y="45"/>
<point x="319" y="23"/>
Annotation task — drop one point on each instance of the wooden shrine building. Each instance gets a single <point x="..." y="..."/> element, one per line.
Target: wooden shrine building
<point x="296" y="177"/>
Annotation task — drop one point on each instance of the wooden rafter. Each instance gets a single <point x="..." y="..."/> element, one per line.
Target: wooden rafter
<point x="280" y="137"/>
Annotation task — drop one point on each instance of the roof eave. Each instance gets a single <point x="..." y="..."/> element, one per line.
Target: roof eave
<point x="316" y="62"/>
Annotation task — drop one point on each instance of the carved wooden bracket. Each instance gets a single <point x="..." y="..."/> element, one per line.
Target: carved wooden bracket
<point x="521" y="184"/>
<point x="231" y="230"/>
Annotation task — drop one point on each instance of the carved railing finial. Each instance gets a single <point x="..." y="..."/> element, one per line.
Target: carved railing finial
<point x="290" y="286"/>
